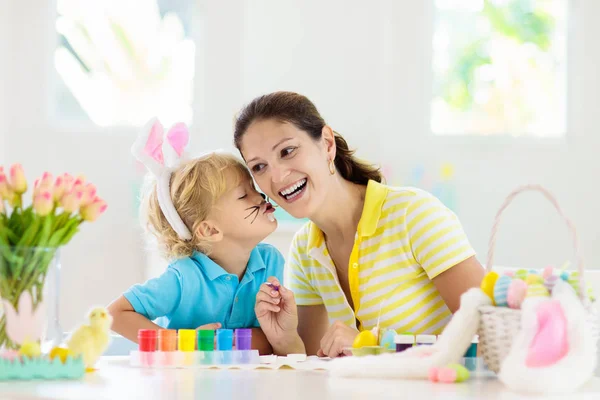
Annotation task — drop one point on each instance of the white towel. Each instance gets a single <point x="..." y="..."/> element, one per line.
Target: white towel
<point x="416" y="362"/>
<point x="564" y="371"/>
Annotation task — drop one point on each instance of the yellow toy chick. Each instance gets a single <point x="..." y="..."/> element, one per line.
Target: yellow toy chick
<point x="90" y="341"/>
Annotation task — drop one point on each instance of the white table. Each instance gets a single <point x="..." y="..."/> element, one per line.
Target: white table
<point x="116" y="380"/>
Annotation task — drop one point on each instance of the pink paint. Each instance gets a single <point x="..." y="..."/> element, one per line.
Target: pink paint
<point x="550" y="343"/>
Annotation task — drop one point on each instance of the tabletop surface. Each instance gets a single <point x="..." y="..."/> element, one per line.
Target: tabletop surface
<point x="115" y="379"/>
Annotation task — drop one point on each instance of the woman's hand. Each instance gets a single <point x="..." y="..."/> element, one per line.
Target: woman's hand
<point x="338" y="337"/>
<point x="276" y="312"/>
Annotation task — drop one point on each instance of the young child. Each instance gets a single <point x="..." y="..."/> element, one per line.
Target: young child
<point x="207" y="215"/>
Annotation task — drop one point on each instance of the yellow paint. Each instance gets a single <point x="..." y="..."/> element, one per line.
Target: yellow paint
<point x="187" y="340"/>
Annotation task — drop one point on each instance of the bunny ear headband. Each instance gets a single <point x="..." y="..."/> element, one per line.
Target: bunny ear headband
<point x="161" y="154"/>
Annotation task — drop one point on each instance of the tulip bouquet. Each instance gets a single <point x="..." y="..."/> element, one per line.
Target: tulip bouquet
<point x="30" y="237"/>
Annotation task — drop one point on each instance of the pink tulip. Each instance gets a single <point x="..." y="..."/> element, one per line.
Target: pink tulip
<point x="43" y="203"/>
<point x="60" y="187"/>
<point x="89" y="194"/>
<point x="44" y="184"/>
<point x="79" y="181"/>
<point x="70" y="200"/>
<point x="68" y="181"/>
<point x="5" y="190"/>
<point x="93" y="210"/>
<point x="17" y="178"/>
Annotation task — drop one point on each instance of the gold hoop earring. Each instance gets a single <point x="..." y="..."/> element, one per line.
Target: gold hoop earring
<point x="331" y="167"/>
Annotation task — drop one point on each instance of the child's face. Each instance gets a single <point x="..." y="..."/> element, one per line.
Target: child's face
<point x="243" y="215"/>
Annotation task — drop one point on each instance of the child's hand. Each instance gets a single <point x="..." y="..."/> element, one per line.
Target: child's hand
<point x="276" y="310"/>
<point x="213" y="326"/>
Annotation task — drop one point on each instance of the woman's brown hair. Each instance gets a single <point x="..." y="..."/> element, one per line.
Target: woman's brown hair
<point x="302" y="113"/>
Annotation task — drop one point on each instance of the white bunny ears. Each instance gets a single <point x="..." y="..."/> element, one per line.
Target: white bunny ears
<point x="161" y="154"/>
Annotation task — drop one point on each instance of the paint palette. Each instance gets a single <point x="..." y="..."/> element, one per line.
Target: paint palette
<point x="167" y="348"/>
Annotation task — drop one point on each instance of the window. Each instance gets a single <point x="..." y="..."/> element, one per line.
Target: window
<point x="122" y="62"/>
<point x="499" y="67"/>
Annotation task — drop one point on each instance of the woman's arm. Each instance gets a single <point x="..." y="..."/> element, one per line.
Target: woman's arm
<point x="260" y="342"/>
<point x="453" y="282"/>
<point x="312" y="326"/>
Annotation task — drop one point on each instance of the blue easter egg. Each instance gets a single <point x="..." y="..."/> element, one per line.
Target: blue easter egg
<point x="387" y="340"/>
<point x="564" y="276"/>
<point x="501" y="290"/>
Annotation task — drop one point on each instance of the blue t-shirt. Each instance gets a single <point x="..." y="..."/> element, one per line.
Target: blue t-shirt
<point x="195" y="291"/>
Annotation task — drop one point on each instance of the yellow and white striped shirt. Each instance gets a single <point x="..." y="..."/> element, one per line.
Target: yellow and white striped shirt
<point x="405" y="238"/>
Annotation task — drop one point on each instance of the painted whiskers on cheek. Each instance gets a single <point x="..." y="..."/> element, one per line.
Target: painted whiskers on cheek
<point x="255" y="211"/>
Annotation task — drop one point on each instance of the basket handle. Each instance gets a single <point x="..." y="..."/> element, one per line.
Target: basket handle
<point x="570" y="225"/>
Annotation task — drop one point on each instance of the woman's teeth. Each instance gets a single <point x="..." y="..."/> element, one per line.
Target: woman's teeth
<point x="293" y="191"/>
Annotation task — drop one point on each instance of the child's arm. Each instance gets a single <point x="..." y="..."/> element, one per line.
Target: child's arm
<point x="260" y="342"/>
<point x="126" y="322"/>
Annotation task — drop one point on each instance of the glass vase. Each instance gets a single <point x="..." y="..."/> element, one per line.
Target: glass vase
<point x="29" y="292"/>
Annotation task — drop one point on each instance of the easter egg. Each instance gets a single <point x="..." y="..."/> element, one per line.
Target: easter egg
<point x="510" y="273"/>
<point x="574" y="282"/>
<point x="516" y="293"/>
<point x="488" y="283"/>
<point x="550" y="281"/>
<point x="537" y="290"/>
<point x="501" y="290"/>
<point x="387" y="339"/>
<point x="521" y="274"/>
<point x="533" y="278"/>
<point x="548" y="271"/>
<point x="564" y="276"/>
<point x="462" y="374"/>
<point x="365" y="338"/>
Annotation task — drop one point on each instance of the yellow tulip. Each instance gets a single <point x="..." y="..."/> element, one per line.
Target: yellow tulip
<point x="93" y="210"/>
<point x="43" y="203"/>
<point x="71" y="200"/>
<point x="5" y="190"/>
<point x="89" y="194"/>
<point x="17" y="179"/>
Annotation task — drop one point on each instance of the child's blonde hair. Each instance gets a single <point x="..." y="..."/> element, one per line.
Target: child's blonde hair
<point x="195" y="188"/>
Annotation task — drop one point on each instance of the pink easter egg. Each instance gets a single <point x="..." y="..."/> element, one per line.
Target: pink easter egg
<point x="509" y="273"/>
<point x="548" y="271"/>
<point x="433" y="374"/>
<point x="516" y="293"/>
<point x="447" y="375"/>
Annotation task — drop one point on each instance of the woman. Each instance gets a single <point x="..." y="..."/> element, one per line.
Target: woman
<point x="370" y="252"/>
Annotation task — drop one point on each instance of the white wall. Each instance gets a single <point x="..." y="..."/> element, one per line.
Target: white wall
<point x="366" y="65"/>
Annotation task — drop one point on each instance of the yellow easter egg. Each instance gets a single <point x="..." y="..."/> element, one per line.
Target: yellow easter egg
<point x="365" y="338"/>
<point x="61" y="353"/>
<point x="488" y="283"/>
<point x="533" y="278"/>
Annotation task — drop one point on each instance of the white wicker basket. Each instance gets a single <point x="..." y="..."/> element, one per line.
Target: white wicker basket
<point x="499" y="325"/>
